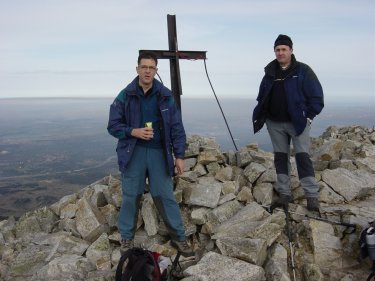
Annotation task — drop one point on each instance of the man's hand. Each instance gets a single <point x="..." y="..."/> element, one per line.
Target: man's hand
<point x="143" y="133"/>
<point x="180" y="166"/>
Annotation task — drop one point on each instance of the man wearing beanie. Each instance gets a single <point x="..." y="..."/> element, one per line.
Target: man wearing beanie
<point x="289" y="98"/>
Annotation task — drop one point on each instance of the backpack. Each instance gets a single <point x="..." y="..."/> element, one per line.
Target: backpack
<point x="138" y="264"/>
<point x="367" y="242"/>
<point x="367" y="246"/>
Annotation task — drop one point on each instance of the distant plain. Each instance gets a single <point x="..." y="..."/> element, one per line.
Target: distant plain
<point x="53" y="147"/>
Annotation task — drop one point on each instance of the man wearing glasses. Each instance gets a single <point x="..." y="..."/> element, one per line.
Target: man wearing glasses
<point x="289" y="98"/>
<point x="145" y="120"/>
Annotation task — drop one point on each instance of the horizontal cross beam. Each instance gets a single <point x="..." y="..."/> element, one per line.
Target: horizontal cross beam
<point x="188" y="55"/>
<point x="174" y="55"/>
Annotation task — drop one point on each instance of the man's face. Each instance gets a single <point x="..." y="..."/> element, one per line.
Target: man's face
<point x="283" y="54"/>
<point x="146" y="71"/>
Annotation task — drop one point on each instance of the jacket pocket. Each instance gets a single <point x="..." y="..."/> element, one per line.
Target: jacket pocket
<point x="124" y="151"/>
<point x="122" y="146"/>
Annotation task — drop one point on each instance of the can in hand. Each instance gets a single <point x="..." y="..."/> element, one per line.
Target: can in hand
<point x="148" y="124"/>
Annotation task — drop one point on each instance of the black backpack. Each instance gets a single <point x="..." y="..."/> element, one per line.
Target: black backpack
<point x="138" y="264"/>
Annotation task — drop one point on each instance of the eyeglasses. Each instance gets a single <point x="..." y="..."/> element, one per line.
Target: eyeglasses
<point x="147" y="67"/>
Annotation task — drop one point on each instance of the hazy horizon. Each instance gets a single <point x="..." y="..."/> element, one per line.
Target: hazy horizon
<point x="200" y="115"/>
<point x="72" y="48"/>
<point x="370" y="100"/>
<point x="51" y="147"/>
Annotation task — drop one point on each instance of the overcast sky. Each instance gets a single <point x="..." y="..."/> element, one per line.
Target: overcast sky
<point x="89" y="48"/>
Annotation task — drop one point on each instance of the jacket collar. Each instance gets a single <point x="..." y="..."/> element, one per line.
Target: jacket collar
<point x="272" y="67"/>
<point x="158" y="87"/>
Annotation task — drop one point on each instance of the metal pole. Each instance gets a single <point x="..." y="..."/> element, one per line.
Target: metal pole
<point x="290" y="241"/>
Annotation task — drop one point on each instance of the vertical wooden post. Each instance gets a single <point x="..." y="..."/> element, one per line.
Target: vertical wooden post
<point x="174" y="62"/>
<point x="174" y="55"/>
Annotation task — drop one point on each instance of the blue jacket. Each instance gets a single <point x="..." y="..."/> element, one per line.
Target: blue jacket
<point x="125" y="114"/>
<point x="303" y="90"/>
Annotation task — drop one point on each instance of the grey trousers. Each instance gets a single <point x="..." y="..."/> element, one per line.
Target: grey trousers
<point x="281" y="134"/>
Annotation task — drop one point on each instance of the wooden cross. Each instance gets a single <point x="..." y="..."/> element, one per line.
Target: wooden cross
<point x="174" y="55"/>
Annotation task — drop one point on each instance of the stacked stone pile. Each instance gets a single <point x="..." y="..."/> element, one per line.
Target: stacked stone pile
<point x="222" y="198"/>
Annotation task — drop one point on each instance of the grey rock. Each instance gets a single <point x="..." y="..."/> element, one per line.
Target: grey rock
<point x="330" y="150"/>
<point x="63" y="243"/>
<point x="263" y="193"/>
<point x="328" y="195"/>
<point x="68" y="211"/>
<point x="149" y="215"/>
<point x="221" y="214"/>
<point x="268" y="176"/>
<point x="66" y="267"/>
<point x="225" y="174"/>
<point x="190" y="176"/>
<point x="29" y="261"/>
<point x="28" y="223"/>
<point x="95" y="195"/>
<point x="89" y="221"/>
<point x="215" y="267"/>
<point x="113" y="194"/>
<point x="199" y="215"/>
<point x="110" y="214"/>
<point x="7" y="229"/>
<point x="245" y="195"/>
<point x="200" y="170"/>
<point x="226" y="198"/>
<point x="242" y="222"/>
<point x="312" y="272"/>
<point x="276" y="267"/>
<point x="189" y="164"/>
<point x="206" y="194"/>
<point x="270" y="229"/>
<point x="349" y="184"/>
<point x="213" y="168"/>
<point x="251" y="250"/>
<point x="69" y="225"/>
<point x="327" y="248"/>
<point x="99" y="252"/>
<point x="77" y="238"/>
<point x="343" y="163"/>
<point x="229" y="187"/>
<point x="210" y="155"/>
<point x="253" y="171"/>
<point x="68" y="199"/>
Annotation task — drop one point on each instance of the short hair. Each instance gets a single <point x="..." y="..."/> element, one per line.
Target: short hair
<point x="147" y="55"/>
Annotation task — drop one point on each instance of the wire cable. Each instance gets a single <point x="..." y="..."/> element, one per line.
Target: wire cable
<point x="222" y="113"/>
<point x="159" y="78"/>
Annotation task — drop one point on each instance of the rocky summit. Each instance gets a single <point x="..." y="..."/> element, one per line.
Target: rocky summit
<point x="223" y="199"/>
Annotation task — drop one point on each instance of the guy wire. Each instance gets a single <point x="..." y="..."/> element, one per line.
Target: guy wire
<point x="217" y="100"/>
<point x="205" y="67"/>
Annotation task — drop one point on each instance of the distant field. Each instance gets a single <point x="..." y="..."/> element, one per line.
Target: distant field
<point x="55" y="147"/>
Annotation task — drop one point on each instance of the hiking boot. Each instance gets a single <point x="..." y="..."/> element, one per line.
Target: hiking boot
<point x="183" y="247"/>
<point x="281" y="202"/>
<point x="126" y="245"/>
<point x="313" y="204"/>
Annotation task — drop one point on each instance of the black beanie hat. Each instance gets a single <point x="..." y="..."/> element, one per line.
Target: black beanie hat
<point x="283" y="40"/>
